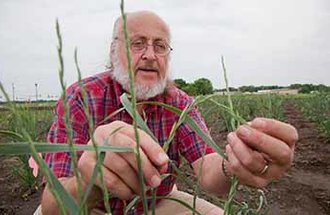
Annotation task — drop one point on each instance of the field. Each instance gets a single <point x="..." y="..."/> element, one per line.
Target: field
<point x="304" y="190"/>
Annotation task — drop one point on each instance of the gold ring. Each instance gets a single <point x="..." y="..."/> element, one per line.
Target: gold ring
<point x="264" y="170"/>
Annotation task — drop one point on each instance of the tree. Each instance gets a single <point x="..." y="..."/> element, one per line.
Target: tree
<point x="203" y="86"/>
<point x="180" y="83"/>
<point x="190" y="89"/>
<point x="295" y="86"/>
<point x="249" y="88"/>
<point x="308" y="88"/>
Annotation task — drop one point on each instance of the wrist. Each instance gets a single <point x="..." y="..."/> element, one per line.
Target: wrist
<point x="95" y="194"/>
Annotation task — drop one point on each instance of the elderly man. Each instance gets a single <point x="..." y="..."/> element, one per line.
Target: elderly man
<point x="257" y="153"/>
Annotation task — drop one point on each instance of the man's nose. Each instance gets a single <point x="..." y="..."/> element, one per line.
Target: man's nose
<point x="149" y="53"/>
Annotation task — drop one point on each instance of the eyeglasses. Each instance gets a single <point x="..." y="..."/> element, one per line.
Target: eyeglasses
<point x="160" y="47"/>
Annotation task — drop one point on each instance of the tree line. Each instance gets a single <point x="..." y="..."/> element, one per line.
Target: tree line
<point x="203" y="86"/>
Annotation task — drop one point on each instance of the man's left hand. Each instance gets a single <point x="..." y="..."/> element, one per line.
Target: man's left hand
<point x="261" y="151"/>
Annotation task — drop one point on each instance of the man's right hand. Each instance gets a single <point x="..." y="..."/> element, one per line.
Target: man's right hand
<point x="120" y="170"/>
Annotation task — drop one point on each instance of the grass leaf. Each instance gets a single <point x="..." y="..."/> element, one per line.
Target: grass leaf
<point x="24" y="148"/>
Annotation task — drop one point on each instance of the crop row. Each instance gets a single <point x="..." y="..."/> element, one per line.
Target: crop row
<point x="316" y="108"/>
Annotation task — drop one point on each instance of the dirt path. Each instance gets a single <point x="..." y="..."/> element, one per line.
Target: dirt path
<point x="306" y="188"/>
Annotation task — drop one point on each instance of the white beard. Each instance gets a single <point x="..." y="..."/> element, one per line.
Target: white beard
<point x="142" y="92"/>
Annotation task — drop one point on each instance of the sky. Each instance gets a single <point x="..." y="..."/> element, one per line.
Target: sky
<point x="274" y="42"/>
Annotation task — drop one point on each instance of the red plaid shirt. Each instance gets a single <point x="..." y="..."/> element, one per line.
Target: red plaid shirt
<point x="103" y="96"/>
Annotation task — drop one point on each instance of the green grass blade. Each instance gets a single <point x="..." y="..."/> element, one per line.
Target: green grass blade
<point x="228" y="110"/>
<point x="234" y="124"/>
<point x="24" y="148"/>
<point x="132" y="204"/>
<point x="176" y="125"/>
<point x="67" y="119"/>
<point x="208" y="140"/>
<point x="134" y="112"/>
<point x="153" y="200"/>
<point x="91" y="181"/>
<point x="63" y="199"/>
<point x="141" y="123"/>
<point x="137" y="198"/>
<point x="12" y="134"/>
<point x="68" y="201"/>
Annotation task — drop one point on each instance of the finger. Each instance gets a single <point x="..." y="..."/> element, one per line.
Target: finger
<point x="163" y="169"/>
<point x="125" y="136"/>
<point x="150" y="172"/>
<point x="277" y="129"/>
<point x="86" y="165"/>
<point x="115" y="185"/>
<point x="277" y="150"/>
<point x="123" y="169"/>
<point x="112" y="182"/>
<point x="243" y="175"/>
<point x="152" y="149"/>
<point x="250" y="159"/>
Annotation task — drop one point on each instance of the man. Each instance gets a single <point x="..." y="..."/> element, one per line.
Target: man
<point x="257" y="153"/>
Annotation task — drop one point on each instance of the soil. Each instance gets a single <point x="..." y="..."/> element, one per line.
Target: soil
<point x="15" y="198"/>
<point x="305" y="189"/>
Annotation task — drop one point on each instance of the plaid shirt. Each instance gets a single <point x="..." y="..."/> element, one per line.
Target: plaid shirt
<point x="103" y="96"/>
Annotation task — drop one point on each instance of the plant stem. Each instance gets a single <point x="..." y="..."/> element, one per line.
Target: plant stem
<point x="133" y="100"/>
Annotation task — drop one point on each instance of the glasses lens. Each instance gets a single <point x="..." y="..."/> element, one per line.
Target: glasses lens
<point x="138" y="45"/>
<point x="160" y="47"/>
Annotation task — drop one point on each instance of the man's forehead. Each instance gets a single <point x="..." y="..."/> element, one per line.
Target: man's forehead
<point x="147" y="24"/>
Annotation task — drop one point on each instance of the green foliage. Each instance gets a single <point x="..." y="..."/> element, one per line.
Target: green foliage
<point x="317" y="108"/>
<point x="201" y="86"/>
<point x="23" y="172"/>
<point x="231" y="89"/>
<point x="190" y="89"/>
<point x="180" y="83"/>
<point x="36" y="123"/>
<point x="249" y="107"/>
<point x="249" y="88"/>
<point x="303" y="88"/>
<point x="309" y="88"/>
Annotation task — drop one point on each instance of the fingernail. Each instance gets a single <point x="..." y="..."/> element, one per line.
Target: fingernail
<point x="162" y="158"/>
<point x="230" y="137"/>
<point x="259" y="123"/>
<point x="244" y="131"/>
<point x="155" y="181"/>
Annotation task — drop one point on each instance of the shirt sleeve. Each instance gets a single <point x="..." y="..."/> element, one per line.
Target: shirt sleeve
<point x="60" y="162"/>
<point x="191" y="145"/>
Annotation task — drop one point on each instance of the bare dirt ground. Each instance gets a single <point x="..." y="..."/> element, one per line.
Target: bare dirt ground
<point x="305" y="190"/>
<point x="14" y="198"/>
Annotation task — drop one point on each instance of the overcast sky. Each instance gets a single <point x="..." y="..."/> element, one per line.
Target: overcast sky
<point x="274" y="42"/>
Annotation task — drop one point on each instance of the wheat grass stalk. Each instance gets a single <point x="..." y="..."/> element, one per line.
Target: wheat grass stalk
<point x="133" y="102"/>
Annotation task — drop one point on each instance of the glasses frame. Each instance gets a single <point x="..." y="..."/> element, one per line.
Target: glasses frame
<point x="169" y="48"/>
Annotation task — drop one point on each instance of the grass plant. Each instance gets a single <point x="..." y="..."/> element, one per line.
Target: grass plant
<point x="316" y="107"/>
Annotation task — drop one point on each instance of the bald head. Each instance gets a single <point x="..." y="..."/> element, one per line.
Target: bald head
<point x="140" y="20"/>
